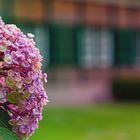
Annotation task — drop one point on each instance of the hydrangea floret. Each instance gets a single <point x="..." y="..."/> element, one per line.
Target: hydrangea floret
<point x="22" y="93"/>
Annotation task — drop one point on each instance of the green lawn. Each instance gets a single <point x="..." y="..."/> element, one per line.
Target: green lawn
<point x="103" y="122"/>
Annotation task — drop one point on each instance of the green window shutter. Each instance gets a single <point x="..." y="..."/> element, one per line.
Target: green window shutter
<point x="26" y="28"/>
<point x="62" y="45"/>
<point x="42" y="42"/>
<point x="80" y="46"/>
<point x="138" y="50"/>
<point x="125" y="47"/>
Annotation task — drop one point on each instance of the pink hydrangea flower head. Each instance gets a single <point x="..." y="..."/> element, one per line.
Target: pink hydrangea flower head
<point x="21" y="80"/>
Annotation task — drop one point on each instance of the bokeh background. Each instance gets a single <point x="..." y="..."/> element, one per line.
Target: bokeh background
<point x="91" y="51"/>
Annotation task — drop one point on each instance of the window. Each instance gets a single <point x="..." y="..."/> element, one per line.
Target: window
<point x="96" y="48"/>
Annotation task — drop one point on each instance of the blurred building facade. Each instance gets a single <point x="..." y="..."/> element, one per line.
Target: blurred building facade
<point x="84" y="43"/>
<point x="82" y="33"/>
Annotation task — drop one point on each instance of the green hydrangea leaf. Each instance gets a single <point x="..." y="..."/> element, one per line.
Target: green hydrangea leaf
<point x="5" y="134"/>
<point x="4" y="119"/>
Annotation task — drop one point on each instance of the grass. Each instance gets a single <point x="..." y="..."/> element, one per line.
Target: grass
<point x="102" y="122"/>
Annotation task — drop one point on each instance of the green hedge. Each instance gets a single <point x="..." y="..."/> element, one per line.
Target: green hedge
<point x="126" y="89"/>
